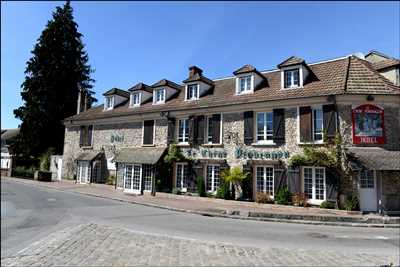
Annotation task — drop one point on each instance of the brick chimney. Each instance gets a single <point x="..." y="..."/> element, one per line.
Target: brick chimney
<point x="193" y="70"/>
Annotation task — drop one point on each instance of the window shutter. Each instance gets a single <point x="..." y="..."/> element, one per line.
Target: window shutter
<point x="200" y="129"/>
<point x="247" y="185"/>
<point x="148" y="132"/>
<point x="293" y="180"/>
<point x="81" y="135"/>
<point x="89" y="135"/>
<point x="191" y="130"/>
<point x="305" y="124"/>
<point x="248" y="127"/>
<point x="216" y="123"/>
<point x="171" y="130"/>
<point x="279" y="179"/>
<point x="279" y="125"/>
<point x="329" y="120"/>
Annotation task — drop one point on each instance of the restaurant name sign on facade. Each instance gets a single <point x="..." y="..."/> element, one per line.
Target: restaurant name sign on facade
<point x="239" y="152"/>
<point x="368" y="124"/>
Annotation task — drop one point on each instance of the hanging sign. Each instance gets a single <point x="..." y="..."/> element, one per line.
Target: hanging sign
<point x="368" y="124"/>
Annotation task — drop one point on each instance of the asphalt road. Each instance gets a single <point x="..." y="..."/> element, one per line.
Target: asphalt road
<point x="30" y="213"/>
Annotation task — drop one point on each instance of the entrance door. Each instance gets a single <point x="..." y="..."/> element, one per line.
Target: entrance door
<point x="367" y="189"/>
<point x="133" y="179"/>
<point x="83" y="172"/>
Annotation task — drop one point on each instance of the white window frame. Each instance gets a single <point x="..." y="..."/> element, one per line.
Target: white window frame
<point x="313" y="109"/>
<point x="131" y="190"/>
<point x="312" y="126"/>
<point x="313" y="200"/>
<point x="238" y="82"/>
<point x="186" y="124"/>
<point x="292" y="85"/>
<point x="362" y="173"/>
<point x="132" y="102"/>
<point x="106" y="104"/>
<point x="206" y="141"/>
<point x="265" y="179"/>
<point x="162" y="101"/>
<point x="188" y="87"/>
<point x="213" y="189"/>
<point x="183" y="164"/>
<point x="292" y="68"/>
<point x="265" y="141"/>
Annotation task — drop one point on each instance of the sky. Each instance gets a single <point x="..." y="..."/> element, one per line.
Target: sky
<point x="131" y="42"/>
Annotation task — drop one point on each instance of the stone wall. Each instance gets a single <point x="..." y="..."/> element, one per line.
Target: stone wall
<point x="132" y="133"/>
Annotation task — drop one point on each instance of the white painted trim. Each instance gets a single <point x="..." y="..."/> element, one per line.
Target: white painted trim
<point x="183" y="189"/>
<point x="255" y="130"/>
<point x="246" y="92"/>
<point x="221" y="126"/>
<point x="264" y="178"/>
<point x="186" y="142"/>
<point x="155" y="102"/>
<point x="112" y="103"/>
<point x="198" y="91"/>
<point x="213" y="190"/>
<point x="312" y="200"/>
<point x="131" y="104"/>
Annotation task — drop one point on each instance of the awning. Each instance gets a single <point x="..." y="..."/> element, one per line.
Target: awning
<point x="373" y="158"/>
<point x="87" y="156"/>
<point x="140" y="155"/>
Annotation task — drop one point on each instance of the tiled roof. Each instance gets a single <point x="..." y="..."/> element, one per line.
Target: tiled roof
<point x="345" y="75"/>
<point x="141" y="86"/>
<point x="291" y="61"/>
<point x="143" y="155"/>
<point x="374" y="158"/>
<point x="198" y="77"/>
<point x="116" y="91"/>
<point x="165" y="82"/>
<point x="246" y="69"/>
<point x="387" y="63"/>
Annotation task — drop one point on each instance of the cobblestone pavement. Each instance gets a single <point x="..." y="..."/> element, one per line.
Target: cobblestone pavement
<point x="99" y="245"/>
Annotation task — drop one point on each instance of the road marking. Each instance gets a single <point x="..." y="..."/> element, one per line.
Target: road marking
<point x="51" y="199"/>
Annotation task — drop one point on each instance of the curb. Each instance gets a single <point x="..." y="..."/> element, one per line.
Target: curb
<point x="253" y="216"/>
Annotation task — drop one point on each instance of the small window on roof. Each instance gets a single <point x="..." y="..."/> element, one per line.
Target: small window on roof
<point x="192" y="92"/>
<point x="292" y="78"/>
<point x="244" y="84"/>
<point x="109" y="102"/>
<point x="159" y="96"/>
<point x="135" y="100"/>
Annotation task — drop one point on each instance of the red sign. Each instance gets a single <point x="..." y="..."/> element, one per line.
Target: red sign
<point x="368" y="124"/>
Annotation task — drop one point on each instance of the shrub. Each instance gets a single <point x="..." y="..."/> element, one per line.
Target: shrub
<point x="24" y="172"/>
<point x="110" y="180"/>
<point x="45" y="159"/>
<point x="263" y="198"/>
<point x="327" y="205"/>
<point x="283" y="196"/>
<point x="352" y="203"/>
<point x="300" y="199"/>
<point x="224" y="191"/>
<point x="201" y="187"/>
<point x="176" y="191"/>
<point x="234" y="176"/>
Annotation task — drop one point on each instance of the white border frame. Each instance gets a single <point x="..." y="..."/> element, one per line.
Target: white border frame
<point x="312" y="200"/>
<point x="214" y="190"/>
<point x="238" y="77"/>
<point x="265" y="181"/>
<point x="183" y="189"/>
<point x="198" y="91"/>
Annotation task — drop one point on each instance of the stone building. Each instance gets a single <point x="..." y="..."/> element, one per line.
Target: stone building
<point x="256" y="120"/>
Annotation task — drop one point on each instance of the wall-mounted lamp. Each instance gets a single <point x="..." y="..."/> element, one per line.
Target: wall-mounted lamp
<point x="164" y="114"/>
<point x="370" y="98"/>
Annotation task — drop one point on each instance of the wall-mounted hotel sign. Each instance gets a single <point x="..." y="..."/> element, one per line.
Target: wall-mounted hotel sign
<point x="205" y="153"/>
<point x="241" y="153"/>
<point x="368" y="124"/>
<point x="117" y="138"/>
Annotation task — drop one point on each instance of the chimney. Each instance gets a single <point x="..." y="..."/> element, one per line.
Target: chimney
<point x="193" y="70"/>
<point x="83" y="101"/>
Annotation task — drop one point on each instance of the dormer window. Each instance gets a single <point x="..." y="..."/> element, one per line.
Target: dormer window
<point x="292" y="78"/>
<point x="135" y="99"/>
<point x="192" y="92"/>
<point x="159" y="96"/>
<point x="245" y="85"/>
<point x="109" y="103"/>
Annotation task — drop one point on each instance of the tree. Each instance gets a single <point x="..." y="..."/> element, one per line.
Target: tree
<point x="54" y="75"/>
<point x="234" y="176"/>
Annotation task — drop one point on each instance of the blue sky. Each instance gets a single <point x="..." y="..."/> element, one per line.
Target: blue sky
<point x="129" y="42"/>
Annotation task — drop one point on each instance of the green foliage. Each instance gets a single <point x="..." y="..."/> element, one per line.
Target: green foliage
<point x="315" y="156"/>
<point x="174" y="155"/>
<point x="201" y="187"/>
<point x="111" y="180"/>
<point x="263" y="198"/>
<point x="45" y="159"/>
<point x="53" y="75"/>
<point x="327" y="205"/>
<point x="224" y="191"/>
<point x="176" y="191"/>
<point x="233" y="175"/>
<point x="283" y="196"/>
<point x="23" y="172"/>
<point x="352" y="203"/>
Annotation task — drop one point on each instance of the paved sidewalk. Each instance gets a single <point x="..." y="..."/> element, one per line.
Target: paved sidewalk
<point x="226" y="208"/>
<point x="100" y="245"/>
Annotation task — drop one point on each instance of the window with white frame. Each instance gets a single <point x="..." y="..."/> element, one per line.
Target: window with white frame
<point x="183" y="131"/>
<point x="159" y="96"/>
<point x="192" y="92"/>
<point x="265" y="127"/>
<point x="135" y="99"/>
<point x="317" y="117"/>
<point x="265" y="179"/>
<point x="181" y="176"/>
<point x="292" y="78"/>
<point x="147" y="176"/>
<point x="109" y="102"/>
<point x="367" y="179"/>
<point x="212" y="175"/>
<point x="244" y="84"/>
<point x="209" y="130"/>
<point x="314" y="183"/>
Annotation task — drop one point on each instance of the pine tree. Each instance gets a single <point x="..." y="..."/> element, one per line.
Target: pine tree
<point x="58" y="68"/>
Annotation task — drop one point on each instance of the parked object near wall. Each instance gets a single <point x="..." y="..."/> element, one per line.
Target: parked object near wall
<point x="42" y="176"/>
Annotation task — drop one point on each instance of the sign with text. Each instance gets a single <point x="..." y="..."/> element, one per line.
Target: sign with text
<point x="241" y="153"/>
<point x="368" y="124"/>
<point x="117" y="138"/>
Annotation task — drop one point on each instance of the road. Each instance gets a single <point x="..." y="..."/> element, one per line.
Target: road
<point x="31" y="213"/>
